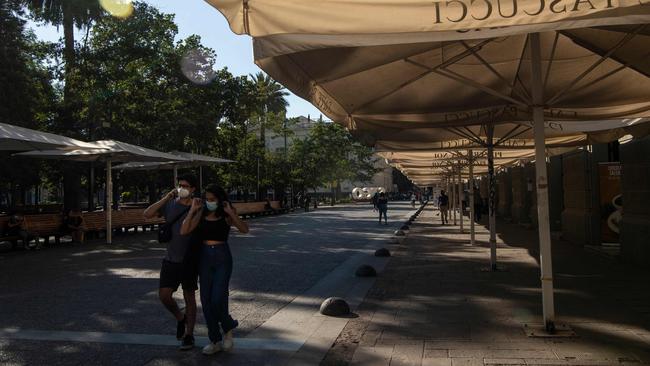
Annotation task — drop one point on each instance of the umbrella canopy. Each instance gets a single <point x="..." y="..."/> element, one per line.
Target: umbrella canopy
<point x="383" y="63"/>
<point x="469" y="82"/>
<point x="14" y="138"/>
<point x="106" y="150"/>
<point x="201" y="159"/>
<point x="301" y="23"/>
<point x="512" y="136"/>
<point x="190" y="161"/>
<point x="387" y="64"/>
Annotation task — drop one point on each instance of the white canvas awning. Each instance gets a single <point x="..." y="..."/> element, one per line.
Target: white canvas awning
<point x="14" y="138"/>
<point x="191" y="160"/>
<point x="295" y="25"/>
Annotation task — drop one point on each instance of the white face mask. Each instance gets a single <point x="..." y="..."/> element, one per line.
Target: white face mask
<point x="183" y="192"/>
<point x="211" y="206"/>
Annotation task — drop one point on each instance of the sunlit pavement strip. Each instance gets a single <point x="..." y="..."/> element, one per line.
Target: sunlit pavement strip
<point x="301" y="321"/>
<point x="142" y="339"/>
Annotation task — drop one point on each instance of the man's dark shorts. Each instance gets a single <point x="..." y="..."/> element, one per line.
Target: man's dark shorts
<point x="174" y="274"/>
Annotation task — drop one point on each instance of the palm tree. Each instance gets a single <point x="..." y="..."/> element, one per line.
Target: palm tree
<point x="271" y="96"/>
<point x="67" y="13"/>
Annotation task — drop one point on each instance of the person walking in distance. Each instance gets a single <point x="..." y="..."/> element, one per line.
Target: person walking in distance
<point x="179" y="267"/>
<point x="478" y="205"/>
<point x="443" y="204"/>
<point x="382" y="207"/>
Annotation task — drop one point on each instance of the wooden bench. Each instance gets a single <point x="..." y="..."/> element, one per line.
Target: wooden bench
<point x="45" y="226"/>
<point x="121" y="219"/>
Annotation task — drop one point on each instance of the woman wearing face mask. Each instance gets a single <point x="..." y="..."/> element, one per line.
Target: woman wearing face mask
<point x="210" y="221"/>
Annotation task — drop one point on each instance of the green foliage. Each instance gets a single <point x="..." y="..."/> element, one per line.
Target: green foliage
<point x="131" y="80"/>
<point x="27" y="97"/>
<point x="330" y="155"/>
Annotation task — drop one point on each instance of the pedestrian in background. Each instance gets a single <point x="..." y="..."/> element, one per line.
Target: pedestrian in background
<point x="478" y="205"/>
<point x="382" y="206"/>
<point x="443" y="204"/>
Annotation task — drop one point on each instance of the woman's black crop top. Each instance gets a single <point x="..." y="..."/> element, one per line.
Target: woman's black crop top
<point x="216" y="230"/>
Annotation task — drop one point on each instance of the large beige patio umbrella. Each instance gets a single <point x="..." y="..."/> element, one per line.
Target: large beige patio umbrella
<point x="107" y="151"/>
<point x="14" y="138"/>
<point x="421" y="153"/>
<point x="369" y="64"/>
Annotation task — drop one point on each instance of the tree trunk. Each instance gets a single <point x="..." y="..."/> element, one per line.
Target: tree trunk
<point x="72" y="178"/>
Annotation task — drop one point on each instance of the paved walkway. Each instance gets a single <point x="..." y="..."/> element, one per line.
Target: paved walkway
<point x="434" y="304"/>
<point x="97" y="304"/>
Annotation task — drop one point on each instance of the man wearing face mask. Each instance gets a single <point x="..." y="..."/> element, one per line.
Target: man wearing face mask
<point x="178" y="266"/>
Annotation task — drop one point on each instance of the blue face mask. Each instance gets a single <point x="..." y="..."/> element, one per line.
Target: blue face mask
<point x="211" y="206"/>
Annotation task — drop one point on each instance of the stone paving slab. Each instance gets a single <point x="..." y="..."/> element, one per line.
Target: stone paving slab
<point x="433" y="305"/>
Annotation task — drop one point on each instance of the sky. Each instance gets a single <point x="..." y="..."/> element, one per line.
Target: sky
<point x="197" y="17"/>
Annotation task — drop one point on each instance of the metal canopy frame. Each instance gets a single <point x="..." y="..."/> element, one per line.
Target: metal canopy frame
<point x="534" y="101"/>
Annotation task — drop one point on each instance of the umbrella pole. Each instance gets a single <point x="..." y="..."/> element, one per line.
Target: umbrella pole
<point x="491" y="199"/>
<point x="460" y="196"/>
<point x="109" y="202"/>
<point x="472" y="234"/>
<point x="175" y="176"/>
<point x="542" y="186"/>
<point x="91" y="188"/>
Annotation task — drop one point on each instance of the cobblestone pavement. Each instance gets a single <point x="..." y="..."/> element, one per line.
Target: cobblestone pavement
<point x="110" y="292"/>
<point x="435" y="304"/>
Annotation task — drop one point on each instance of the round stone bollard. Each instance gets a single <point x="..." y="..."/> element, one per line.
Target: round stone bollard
<point x="382" y="252"/>
<point x="365" y="270"/>
<point x="334" y="306"/>
<point x="399" y="233"/>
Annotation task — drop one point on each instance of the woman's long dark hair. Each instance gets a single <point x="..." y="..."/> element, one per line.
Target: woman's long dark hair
<point x="221" y="195"/>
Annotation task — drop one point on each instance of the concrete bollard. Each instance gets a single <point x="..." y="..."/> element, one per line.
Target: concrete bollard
<point x="382" y="252"/>
<point x="334" y="306"/>
<point x="365" y="270"/>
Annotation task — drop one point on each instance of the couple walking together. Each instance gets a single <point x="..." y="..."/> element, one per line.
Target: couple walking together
<point x="197" y="250"/>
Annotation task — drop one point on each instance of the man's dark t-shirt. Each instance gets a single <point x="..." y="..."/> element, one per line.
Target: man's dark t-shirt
<point x="382" y="203"/>
<point x="443" y="200"/>
<point x="179" y="245"/>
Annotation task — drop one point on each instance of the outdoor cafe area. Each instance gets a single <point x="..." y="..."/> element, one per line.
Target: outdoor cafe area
<point x="40" y="212"/>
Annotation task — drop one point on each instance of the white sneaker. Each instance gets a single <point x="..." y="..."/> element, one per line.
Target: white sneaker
<point x="228" y="342"/>
<point x="212" y="348"/>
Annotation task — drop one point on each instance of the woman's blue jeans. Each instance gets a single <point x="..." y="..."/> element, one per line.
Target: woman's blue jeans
<point x="215" y="270"/>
